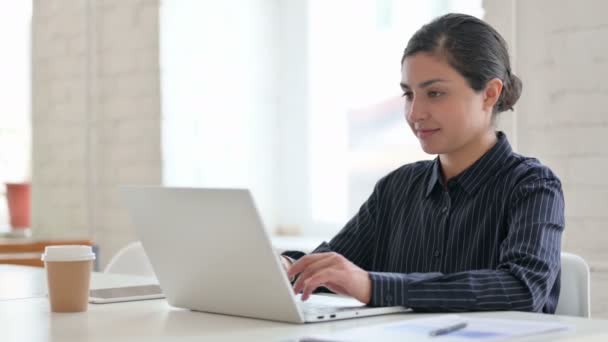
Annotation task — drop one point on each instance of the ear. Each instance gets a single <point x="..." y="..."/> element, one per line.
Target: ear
<point x="491" y="93"/>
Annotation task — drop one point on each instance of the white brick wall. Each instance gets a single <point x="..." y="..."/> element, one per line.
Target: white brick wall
<point x="58" y="120"/>
<point x="96" y="115"/>
<point x="500" y="14"/>
<point x="561" y="53"/>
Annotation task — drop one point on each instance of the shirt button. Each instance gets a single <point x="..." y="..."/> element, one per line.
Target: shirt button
<point x="437" y="254"/>
<point x="444" y="210"/>
<point x="388" y="299"/>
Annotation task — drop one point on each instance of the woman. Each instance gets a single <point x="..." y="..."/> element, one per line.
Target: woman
<point x="478" y="228"/>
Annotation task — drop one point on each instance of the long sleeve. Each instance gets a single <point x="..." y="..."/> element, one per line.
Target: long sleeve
<point x="528" y="268"/>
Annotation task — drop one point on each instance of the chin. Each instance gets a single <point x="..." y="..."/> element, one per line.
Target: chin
<point x="430" y="149"/>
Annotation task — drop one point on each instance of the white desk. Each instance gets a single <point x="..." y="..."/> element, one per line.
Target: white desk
<point x="19" y="282"/>
<point x="28" y="318"/>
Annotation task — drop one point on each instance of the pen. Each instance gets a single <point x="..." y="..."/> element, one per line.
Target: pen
<point x="448" y="329"/>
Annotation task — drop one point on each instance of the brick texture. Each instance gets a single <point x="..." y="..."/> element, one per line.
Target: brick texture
<point x="96" y="115"/>
<point x="562" y="57"/>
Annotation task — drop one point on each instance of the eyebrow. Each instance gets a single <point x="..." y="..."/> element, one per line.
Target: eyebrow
<point x="423" y="84"/>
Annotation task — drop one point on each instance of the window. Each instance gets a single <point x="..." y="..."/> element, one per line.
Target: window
<point x="358" y="132"/>
<point x="297" y="100"/>
<point x="15" y="60"/>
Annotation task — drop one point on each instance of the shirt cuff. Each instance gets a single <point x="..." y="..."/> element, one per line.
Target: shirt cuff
<point x="388" y="289"/>
<point x="294" y="255"/>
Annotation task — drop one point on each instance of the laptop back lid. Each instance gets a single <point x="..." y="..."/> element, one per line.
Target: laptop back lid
<point x="210" y="251"/>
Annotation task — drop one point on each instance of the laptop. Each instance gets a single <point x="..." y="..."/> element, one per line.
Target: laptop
<point x="211" y="253"/>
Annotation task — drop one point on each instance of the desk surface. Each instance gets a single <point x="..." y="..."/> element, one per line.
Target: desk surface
<point x="20" y="282"/>
<point x="31" y="320"/>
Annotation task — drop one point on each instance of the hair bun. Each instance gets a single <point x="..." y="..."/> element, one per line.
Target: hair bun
<point x="511" y="91"/>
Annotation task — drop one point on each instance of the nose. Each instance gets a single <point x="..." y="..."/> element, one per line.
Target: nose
<point x="415" y="110"/>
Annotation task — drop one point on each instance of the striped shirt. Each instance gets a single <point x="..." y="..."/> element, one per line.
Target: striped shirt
<point x="488" y="240"/>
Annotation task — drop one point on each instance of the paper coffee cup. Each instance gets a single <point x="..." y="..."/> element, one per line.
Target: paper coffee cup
<point x="68" y="271"/>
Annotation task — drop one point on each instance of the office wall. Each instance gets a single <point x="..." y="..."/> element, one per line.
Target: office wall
<point x="95" y="115"/>
<point x="561" y="53"/>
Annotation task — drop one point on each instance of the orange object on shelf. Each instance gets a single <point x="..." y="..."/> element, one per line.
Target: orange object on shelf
<point x="18" y="198"/>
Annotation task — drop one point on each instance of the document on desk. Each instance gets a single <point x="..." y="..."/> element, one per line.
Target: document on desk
<point x="476" y="329"/>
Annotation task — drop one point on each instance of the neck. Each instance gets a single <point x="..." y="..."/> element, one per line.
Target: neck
<point x="453" y="163"/>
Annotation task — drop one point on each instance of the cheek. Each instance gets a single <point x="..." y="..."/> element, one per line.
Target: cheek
<point x="446" y="112"/>
<point x="459" y="108"/>
<point x="453" y="117"/>
<point x="473" y="104"/>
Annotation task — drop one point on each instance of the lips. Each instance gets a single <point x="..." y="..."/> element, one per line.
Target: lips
<point x="425" y="133"/>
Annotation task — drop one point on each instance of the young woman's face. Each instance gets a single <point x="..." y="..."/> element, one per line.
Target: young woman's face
<point x="443" y="111"/>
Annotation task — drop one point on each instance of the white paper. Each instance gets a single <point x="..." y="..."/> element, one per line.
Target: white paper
<point x="477" y="329"/>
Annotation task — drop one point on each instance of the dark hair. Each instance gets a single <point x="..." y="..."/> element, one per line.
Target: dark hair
<point x="472" y="47"/>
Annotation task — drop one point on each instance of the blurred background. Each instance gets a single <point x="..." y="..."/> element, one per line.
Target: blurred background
<point x="297" y="100"/>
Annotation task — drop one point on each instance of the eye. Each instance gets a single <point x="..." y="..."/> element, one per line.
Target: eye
<point x="408" y="95"/>
<point x="433" y="94"/>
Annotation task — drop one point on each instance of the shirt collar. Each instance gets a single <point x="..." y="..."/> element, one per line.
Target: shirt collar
<point x="477" y="174"/>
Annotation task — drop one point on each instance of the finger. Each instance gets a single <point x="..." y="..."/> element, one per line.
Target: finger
<point x="305" y="261"/>
<point x="286" y="263"/>
<point x="330" y="260"/>
<point x="326" y="262"/>
<point x="317" y="280"/>
<point x="336" y="288"/>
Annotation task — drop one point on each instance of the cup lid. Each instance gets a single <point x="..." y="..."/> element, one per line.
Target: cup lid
<point x="68" y="253"/>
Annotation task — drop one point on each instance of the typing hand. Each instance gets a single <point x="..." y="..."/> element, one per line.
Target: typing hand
<point x="333" y="271"/>
<point x="285" y="262"/>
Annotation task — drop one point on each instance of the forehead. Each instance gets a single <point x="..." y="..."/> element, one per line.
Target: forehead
<point x="421" y="67"/>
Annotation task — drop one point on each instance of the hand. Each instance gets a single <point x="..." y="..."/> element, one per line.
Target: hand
<point x="286" y="263"/>
<point x="333" y="271"/>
